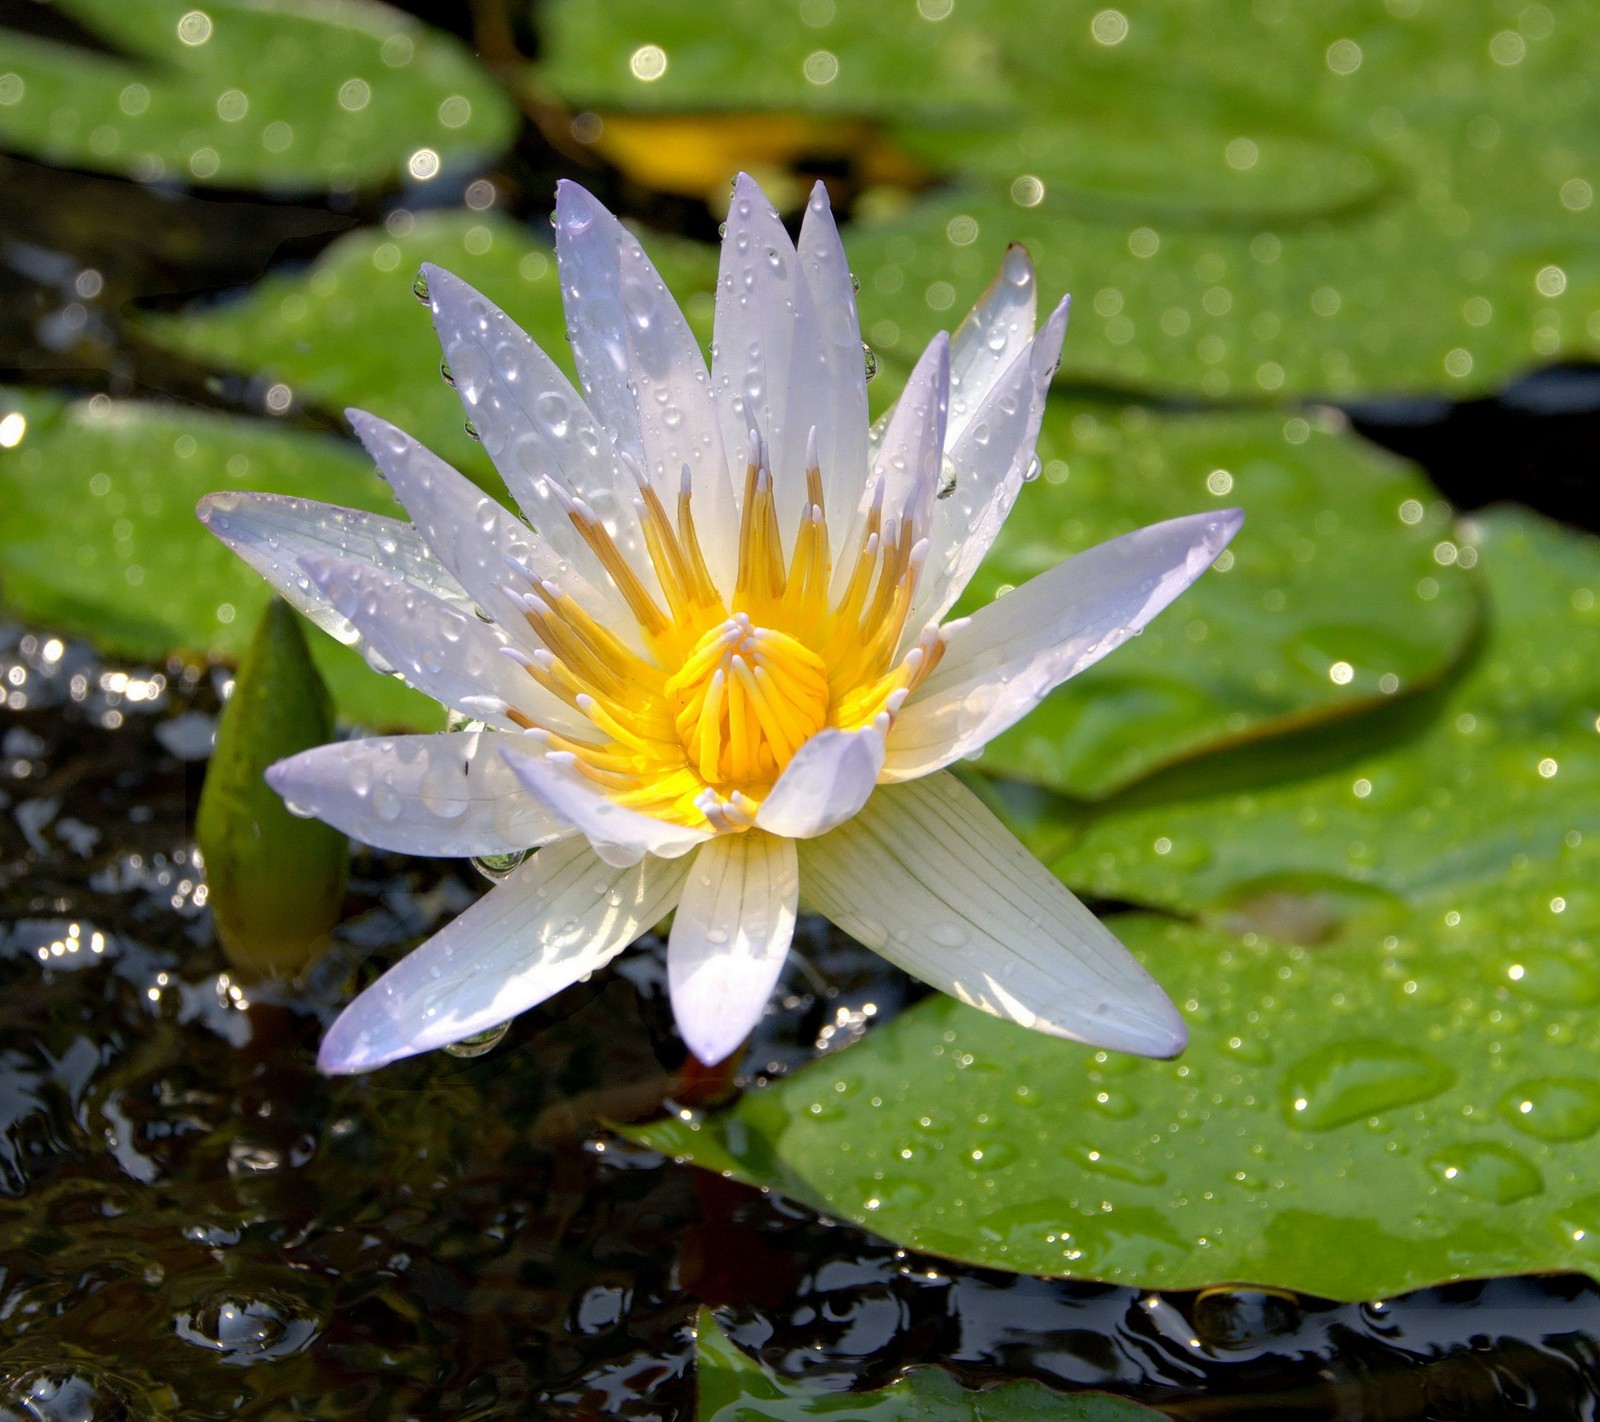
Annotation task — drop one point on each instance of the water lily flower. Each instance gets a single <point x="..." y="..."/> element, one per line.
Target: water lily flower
<point x="711" y="673"/>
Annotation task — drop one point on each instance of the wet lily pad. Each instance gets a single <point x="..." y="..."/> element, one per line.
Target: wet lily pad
<point x="286" y="95"/>
<point x="1390" y="991"/>
<point x="735" y="1388"/>
<point x="1334" y="596"/>
<point x="1352" y="199"/>
<point x="98" y="534"/>
<point x="1499" y="769"/>
<point x="350" y="331"/>
<point x="1352" y="1120"/>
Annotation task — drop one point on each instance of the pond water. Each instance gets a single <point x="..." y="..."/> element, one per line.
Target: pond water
<point x="194" y="1223"/>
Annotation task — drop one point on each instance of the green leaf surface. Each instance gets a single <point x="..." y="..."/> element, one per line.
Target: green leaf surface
<point x="1390" y="988"/>
<point x="350" y="332"/>
<point x="1499" y="769"/>
<point x="1351" y="199"/>
<point x="98" y="534"/>
<point x="285" y="95"/>
<point x="654" y="55"/>
<point x="1332" y="596"/>
<point x="1353" y="1120"/>
<point x="735" y="1388"/>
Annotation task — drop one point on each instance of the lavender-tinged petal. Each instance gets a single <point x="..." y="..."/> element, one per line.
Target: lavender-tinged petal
<point x="765" y="350"/>
<point x="1001" y="662"/>
<point x="469" y="532"/>
<point x="834" y="397"/>
<point x="826" y="782"/>
<point x="273" y="532"/>
<point x="641" y="368"/>
<point x="927" y="876"/>
<point x="989" y="461"/>
<point x="730" y="935"/>
<point x="543" y="438"/>
<point x="559" y="916"/>
<point x="446" y="653"/>
<point x="445" y="795"/>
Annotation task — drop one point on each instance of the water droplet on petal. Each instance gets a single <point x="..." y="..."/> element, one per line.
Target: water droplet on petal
<point x="479" y="1042"/>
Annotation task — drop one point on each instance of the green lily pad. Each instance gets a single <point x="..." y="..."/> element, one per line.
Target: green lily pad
<point x="1350" y="199"/>
<point x="653" y="55"/>
<point x="286" y="95"/>
<point x="1390" y="992"/>
<point x="350" y="332"/>
<point x="735" y="1388"/>
<point x="1500" y="768"/>
<point x="1332" y="597"/>
<point x="1352" y="1120"/>
<point x="98" y="534"/>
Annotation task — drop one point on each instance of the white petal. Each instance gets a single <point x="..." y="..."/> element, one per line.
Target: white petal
<point x="541" y="435"/>
<point x="560" y="915"/>
<point x="994" y="333"/>
<point x="988" y="460"/>
<point x="619" y="835"/>
<point x="763" y="338"/>
<point x="834" y="397"/>
<point x="469" y="532"/>
<point x="444" y="652"/>
<point x="641" y="368"/>
<point x="910" y="461"/>
<point x="926" y="876"/>
<point x="273" y="532"/>
<point x="1000" y="663"/>
<point x="826" y="782"/>
<point x="730" y="936"/>
<point x="986" y="342"/>
<point x="449" y="794"/>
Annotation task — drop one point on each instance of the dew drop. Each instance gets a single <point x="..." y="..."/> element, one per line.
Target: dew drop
<point x="497" y="868"/>
<point x="419" y="288"/>
<point x="479" y="1042"/>
<point x="871" y="357"/>
<point x="1485" y="1170"/>
<point x="1553" y="1108"/>
<point x="1346" y="1081"/>
<point x="446" y="374"/>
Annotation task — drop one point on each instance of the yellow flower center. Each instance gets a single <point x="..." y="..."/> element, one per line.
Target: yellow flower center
<point x="698" y="729"/>
<point x="747" y="699"/>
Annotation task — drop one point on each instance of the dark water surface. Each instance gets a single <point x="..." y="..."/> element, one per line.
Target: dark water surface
<point x="193" y="1223"/>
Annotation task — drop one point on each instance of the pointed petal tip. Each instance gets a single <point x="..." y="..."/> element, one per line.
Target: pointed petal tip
<point x="1150" y="1027"/>
<point x="708" y="1041"/>
<point x="347" y="1048"/>
<point x="277" y="775"/>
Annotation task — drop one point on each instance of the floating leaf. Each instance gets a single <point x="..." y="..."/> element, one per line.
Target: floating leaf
<point x="1347" y="199"/>
<point x="1352" y="1120"/>
<point x="98" y="534"/>
<point x="1332" y="597"/>
<point x="276" y="881"/>
<point x="735" y="1388"/>
<point x="654" y="55"/>
<point x="1500" y="768"/>
<point x="286" y="95"/>
<point x="1390" y="1079"/>
<point x="350" y="331"/>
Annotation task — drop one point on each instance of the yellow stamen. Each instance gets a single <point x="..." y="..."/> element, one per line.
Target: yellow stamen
<point x="699" y="727"/>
